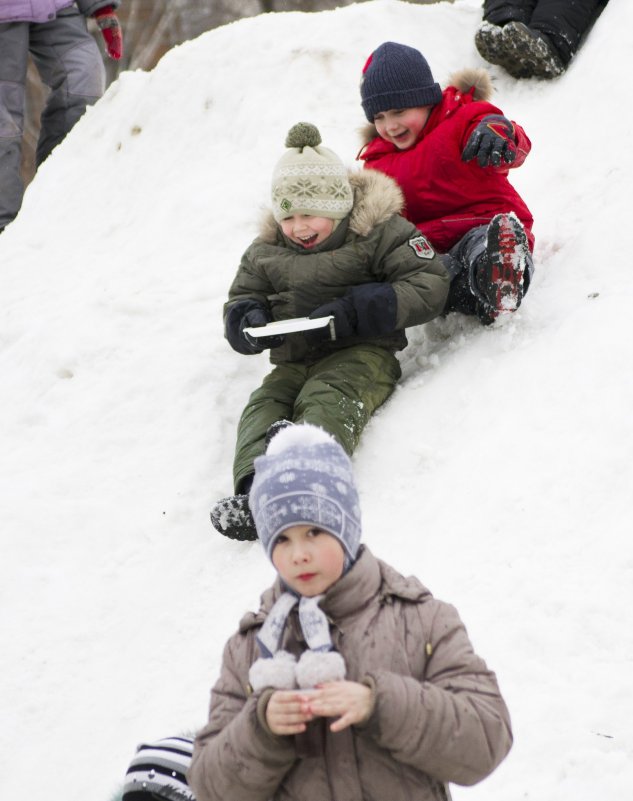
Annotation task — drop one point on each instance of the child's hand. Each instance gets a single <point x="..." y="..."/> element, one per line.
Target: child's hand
<point x="366" y="310"/>
<point x="350" y="701"/>
<point x="244" y="314"/>
<point x="344" y="313"/>
<point x="287" y="712"/>
<point x="491" y="142"/>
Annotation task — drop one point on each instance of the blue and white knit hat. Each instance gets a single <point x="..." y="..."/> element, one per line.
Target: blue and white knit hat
<point x="397" y="76"/>
<point x="305" y="478"/>
<point x="309" y="178"/>
<point x="159" y="771"/>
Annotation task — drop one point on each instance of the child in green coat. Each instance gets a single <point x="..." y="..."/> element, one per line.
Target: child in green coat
<point x="334" y="249"/>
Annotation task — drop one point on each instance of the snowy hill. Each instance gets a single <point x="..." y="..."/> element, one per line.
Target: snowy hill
<point x="500" y="473"/>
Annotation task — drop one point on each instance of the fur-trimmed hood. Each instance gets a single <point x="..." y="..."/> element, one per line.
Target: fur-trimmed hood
<point x="476" y="79"/>
<point x="376" y="199"/>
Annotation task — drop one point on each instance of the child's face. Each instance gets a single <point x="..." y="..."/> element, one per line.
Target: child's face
<point x="402" y="126"/>
<point x="308" y="559"/>
<point x="305" y="230"/>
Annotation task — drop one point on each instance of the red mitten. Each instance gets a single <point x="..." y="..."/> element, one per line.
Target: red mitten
<point x="110" y="28"/>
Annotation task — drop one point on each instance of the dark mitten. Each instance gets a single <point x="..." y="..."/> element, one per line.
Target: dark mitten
<point x="248" y="314"/>
<point x="376" y="307"/>
<point x="110" y="28"/>
<point x="367" y="310"/>
<point x="342" y="309"/>
<point x="491" y="142"/>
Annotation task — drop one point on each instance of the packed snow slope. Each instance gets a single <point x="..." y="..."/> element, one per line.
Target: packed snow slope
<point x="500" y="472"/>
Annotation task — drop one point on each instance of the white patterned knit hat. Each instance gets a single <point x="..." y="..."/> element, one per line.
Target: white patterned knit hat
<point x="310" y="178"/>
<point x="305" y="478"/>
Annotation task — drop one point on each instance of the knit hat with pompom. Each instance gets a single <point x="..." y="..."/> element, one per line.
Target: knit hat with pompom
<point x="306" y="478"/>
<point x="310" y="178"/>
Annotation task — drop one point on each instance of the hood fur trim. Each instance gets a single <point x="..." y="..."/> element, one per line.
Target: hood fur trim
<point x="477" y="77"/>
<point x="377" y="197"/>
<point x="463" y="80"/>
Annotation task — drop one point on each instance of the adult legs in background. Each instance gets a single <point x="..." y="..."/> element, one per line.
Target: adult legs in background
<point x="70" y="63"/>
<point x="14" y="50"/>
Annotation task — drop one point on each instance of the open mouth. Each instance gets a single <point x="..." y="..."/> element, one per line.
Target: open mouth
<point x="308" y="241"/>
<point x="401" y="136"/>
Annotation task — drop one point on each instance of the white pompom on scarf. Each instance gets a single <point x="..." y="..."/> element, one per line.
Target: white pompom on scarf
<point x="283" y="672"/>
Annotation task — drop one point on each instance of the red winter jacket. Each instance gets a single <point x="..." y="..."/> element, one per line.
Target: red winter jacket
<point x="445" y="197"/>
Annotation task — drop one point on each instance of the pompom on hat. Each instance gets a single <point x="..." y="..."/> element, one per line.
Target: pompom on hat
<point x="305" y="478"/>
<point x="396" y="76"/>
<point x="310" y="178"/>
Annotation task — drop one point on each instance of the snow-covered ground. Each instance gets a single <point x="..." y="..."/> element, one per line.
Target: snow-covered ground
<point x="500" y="473"/>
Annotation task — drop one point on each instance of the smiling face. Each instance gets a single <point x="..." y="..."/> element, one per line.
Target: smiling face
<point x="308" y="559"/>
<point x="305" y="230"/>
<point x="402" y="127"/>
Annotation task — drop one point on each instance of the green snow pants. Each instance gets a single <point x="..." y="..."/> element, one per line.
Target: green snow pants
<point x="339" y="394"/>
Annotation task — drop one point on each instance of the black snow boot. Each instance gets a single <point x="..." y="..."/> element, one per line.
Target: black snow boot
<point x="489" y="43"/>
<point x="523" y="52"/>
<point x="529" y="53"/>
<point x="498" y="277"/>
<point x="232" y="517"/>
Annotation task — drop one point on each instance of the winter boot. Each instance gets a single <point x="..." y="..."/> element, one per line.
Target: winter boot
<point x="489" y="43"/>
<point x="528" y="53"/>
<point x="232" y="517"/>
<point x="498" y="275"/>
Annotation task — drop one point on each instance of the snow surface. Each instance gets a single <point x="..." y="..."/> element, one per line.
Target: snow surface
<point x="500" y="473"/>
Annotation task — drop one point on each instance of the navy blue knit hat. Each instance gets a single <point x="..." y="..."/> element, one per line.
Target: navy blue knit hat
<point x="397" y="76"/>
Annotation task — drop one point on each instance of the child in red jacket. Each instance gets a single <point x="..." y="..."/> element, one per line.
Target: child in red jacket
<point x="450" y="151"/>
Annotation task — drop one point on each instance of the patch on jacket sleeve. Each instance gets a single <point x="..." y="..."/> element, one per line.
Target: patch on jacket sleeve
<point x="422" y="247"/>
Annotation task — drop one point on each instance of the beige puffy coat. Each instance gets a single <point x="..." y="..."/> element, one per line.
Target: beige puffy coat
<point x="438" y="716"/>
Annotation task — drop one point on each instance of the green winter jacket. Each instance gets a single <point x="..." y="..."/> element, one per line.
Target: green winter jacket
<point x="373" y="244"/>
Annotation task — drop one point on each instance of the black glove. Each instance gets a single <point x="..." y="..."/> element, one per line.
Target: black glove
<point x="491" y="141"/>
<point x="367" y="310"/>
<point x="248" y="314"/>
